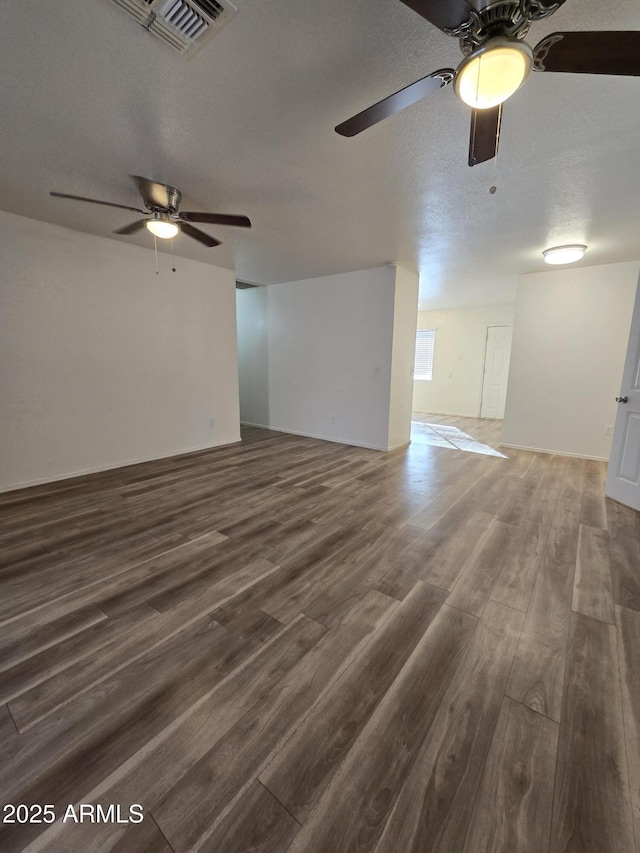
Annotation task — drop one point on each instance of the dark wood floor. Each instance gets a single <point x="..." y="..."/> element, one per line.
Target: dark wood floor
<point x="288" y="644"/>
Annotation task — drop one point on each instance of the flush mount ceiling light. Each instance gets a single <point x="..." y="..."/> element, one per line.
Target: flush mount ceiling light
<point x="564" y="254"/>
<point x="162" y="226"/>
<point x="493" y="72"/>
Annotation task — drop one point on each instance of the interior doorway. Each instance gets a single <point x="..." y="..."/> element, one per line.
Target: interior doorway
<point x="496" y="371"/>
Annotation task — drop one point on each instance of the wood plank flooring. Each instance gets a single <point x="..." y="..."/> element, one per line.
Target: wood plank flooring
<point x="292" y="645"/>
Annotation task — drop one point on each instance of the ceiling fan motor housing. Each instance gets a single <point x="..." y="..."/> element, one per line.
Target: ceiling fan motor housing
<point x="502" y="19"/>
<point x="173" y="201"/>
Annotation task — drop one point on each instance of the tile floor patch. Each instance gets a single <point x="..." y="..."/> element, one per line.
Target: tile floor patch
<point x="450" y="436"/>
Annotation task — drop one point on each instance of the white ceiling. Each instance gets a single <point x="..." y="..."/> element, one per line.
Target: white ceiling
<point x="246" y="126"/>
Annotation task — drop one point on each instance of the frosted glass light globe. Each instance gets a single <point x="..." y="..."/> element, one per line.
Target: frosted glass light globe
<point x="491" y="74"/>
<point x="161" y="226"/>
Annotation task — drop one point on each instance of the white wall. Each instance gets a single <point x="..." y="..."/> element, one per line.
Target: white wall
<point x="253" y="355"/>
<point x="569" y="343"/>
<point x="405" y="313"/>
<point x="102" y="362"/>
<point x="330" y="345"/>
<point x="456" y="387"/>
<point x="338" y="360"/>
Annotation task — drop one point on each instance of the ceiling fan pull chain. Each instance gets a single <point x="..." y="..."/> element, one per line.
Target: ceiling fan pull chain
<point x="173" y="260"/>
<point x="493" y="189"/>
<point x="155" y="246"/>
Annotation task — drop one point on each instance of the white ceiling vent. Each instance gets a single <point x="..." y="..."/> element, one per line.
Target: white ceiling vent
<point x="184" y="24"/>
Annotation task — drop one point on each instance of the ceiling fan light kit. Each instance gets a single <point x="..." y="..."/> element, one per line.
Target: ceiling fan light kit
<point x="493" y="72"/>
<point x="559" y="255"/>
<point x="161" y="226"/>
<point x="164" y="218"/>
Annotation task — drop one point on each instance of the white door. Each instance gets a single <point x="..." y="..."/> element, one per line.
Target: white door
<point x="496" y="371"/>
<point x="623" y="477"/>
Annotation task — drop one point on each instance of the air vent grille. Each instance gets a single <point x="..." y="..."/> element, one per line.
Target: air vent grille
<point x="210" y="8"/>
<point x="138" y="8"/>
<point x="184" y="18"/>
<point x="158" y="27"/>
<point x="183" y="24"/>
<point x="245" y="285"/>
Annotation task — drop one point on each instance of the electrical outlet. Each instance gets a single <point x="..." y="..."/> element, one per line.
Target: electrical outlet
<point x="608" y="430"/>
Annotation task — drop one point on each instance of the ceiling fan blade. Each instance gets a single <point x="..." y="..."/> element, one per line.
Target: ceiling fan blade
<point x="96" y="201"/>
<point x="198" y="235"/>
<point x="590" y="53"/>
<point x="216" y="218"/>
<point x="131" y="229"/>
<point x="485" y="135"/>
<point x="396" y="102"/>
<point x="156" y="195"/>
<point x="443" y="14"/>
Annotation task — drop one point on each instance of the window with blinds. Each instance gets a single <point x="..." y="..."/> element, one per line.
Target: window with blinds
<point x="425" y="343"/>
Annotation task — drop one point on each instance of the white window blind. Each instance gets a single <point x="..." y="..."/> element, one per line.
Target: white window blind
<point x="425" y="342"/>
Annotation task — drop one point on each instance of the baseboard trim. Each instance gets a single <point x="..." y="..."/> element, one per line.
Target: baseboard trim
<point x="59" y="478"/>
<point x="322" y="437"/>
<point x="453" y="415"/>
<point x="398" y="446"/>
<point x="554" y="452"/>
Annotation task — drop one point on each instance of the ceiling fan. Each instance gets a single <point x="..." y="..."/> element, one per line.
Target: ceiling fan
<point x="162" y="202"/>
<point x="497" y="61"/>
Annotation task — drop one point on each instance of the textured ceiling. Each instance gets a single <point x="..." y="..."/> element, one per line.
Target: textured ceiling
<point x="246" y="126"/>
